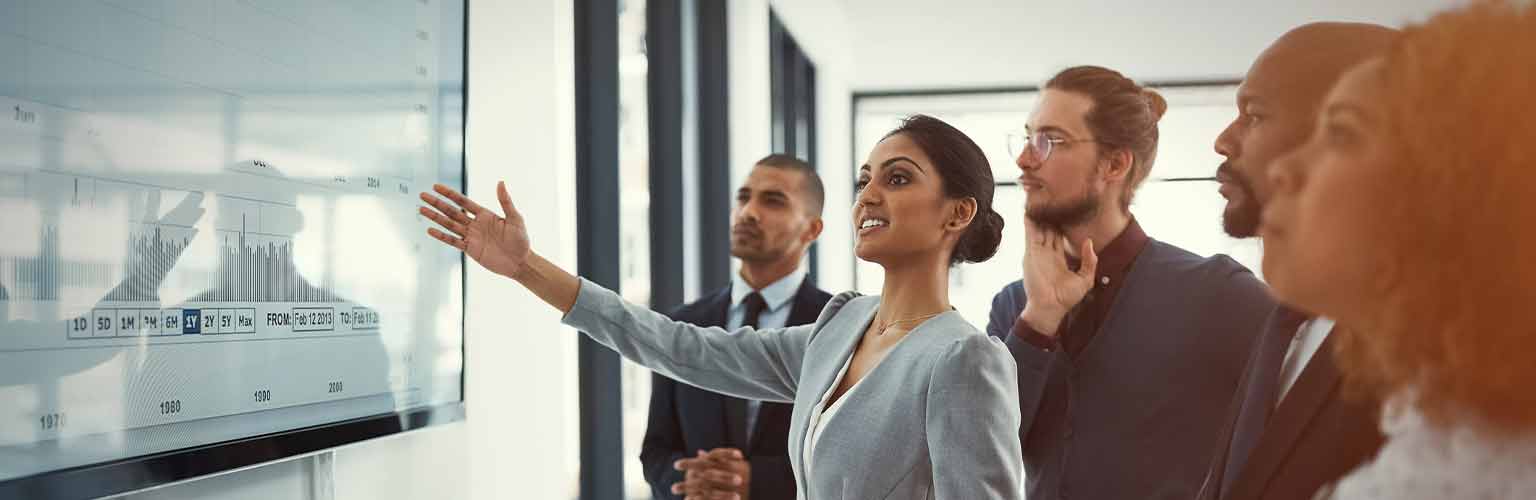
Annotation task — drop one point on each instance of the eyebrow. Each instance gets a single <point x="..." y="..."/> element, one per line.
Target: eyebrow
<point x="893" y="161"/>
<point x="1049" y="128"/>
<point x="1346" y="108"/>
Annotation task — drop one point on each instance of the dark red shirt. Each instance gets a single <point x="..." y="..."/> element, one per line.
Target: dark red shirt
<point x="1082" y="322"/>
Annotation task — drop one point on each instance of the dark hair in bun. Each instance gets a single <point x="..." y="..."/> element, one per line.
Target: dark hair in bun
<point x="966" y="174"/>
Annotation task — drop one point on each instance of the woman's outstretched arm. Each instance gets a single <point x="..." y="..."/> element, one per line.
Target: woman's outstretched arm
<point x="748" y="363"/>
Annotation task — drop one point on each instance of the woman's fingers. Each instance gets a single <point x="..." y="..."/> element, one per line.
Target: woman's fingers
<point x="441" y="220"/>
<point x="463" y="201"/>
<point x="446" y="239"/>
<point x="506" y="201"/>
<point x="453" y="212"/>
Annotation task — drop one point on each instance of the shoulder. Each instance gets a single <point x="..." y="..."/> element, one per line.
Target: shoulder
<point x="703" y="308"/>
<point x="1188" y="264"/>
<point x="973" y="359"/>
<point x="811" y="294"/>
<point x="1012" y="295"/>
<point x="846" y="301"/>
<point x="1217" y="277"/>
<point x="965" y="345"/>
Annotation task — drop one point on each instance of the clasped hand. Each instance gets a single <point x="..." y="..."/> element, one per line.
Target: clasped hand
<point x="719" y="474"/>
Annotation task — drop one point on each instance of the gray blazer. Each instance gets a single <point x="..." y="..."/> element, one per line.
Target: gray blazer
<point x="937" y="418"/>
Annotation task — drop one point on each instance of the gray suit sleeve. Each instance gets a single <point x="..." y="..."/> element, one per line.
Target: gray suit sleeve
<point x="973" y="422"/>
<point x="745" y="363"/>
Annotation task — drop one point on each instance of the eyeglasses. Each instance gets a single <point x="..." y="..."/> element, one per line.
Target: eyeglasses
<point x="1043" y="144"/>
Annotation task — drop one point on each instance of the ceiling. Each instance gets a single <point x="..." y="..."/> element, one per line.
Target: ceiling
<point x="925" y="44"/>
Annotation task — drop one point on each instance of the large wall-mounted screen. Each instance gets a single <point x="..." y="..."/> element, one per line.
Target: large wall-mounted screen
<point x="210" y="254"/>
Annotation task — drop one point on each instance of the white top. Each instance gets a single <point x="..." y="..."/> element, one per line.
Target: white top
<point x="822" y="413"/>
<point x="1424" y="461"/>
<point x="1309" y="338"/>
<point x="778" y="296"/>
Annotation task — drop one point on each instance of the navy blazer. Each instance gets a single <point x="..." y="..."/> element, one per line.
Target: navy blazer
<point x="1319" y="433"/>
<point x="685" y="419"/>
<point x="1135" y="414"/>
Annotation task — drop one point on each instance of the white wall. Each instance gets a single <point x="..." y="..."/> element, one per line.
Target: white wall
<point x="821" y="28"/>
<point x="907" y="44"/>
<point x="520" y="438"/>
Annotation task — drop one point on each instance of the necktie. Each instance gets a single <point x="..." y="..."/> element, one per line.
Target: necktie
<point x="743" y="413"/>
<point x="755" y="307"/>
<point x="1259" y="397"/>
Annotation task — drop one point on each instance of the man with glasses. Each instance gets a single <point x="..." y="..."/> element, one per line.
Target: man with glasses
<point x="1128" y="348"/>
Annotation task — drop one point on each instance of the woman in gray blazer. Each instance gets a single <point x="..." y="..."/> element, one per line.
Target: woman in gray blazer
<point x="895" y="396"/>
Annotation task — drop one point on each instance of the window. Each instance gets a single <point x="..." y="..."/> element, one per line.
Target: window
<point x="634" y="227"/>
<point x="792" y="86"/>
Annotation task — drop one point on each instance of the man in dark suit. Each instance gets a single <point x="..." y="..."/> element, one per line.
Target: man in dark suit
<point x="1291" y="429"/>
<point x="703" y="443"/>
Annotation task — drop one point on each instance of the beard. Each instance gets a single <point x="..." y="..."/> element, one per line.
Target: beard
<point x="747" y="247"/>
<point x="1241" y="217"/>
<point x="1060" y="215"/>
<point x="753" y="246"/>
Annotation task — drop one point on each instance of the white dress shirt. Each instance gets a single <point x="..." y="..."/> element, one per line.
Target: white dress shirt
<point x="1309" y="338"/>
<point x="778" y="295"/>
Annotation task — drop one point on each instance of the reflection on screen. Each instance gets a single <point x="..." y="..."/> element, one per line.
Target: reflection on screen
<point x="209" y="225"/>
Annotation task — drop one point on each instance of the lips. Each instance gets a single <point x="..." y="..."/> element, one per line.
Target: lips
<point x="869" y="224"/>
<point x="1229" y="182"/>
<point x="1030" y="184"/>
<point x="743" y="232"/>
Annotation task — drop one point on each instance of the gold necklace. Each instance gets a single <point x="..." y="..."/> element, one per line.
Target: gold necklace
<point x="882" y="327"/>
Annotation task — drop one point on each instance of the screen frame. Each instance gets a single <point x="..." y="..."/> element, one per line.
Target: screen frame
<point x="147" y="471"/>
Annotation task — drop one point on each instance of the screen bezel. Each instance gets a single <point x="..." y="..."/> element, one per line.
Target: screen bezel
<point x="148" y="471"/>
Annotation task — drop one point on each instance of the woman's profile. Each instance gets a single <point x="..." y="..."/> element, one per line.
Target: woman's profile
<point x="896" y="395"/>
<point x="1407" y="217"/>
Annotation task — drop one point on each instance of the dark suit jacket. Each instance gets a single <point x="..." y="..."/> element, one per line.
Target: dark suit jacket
<point x="1317" y="435"/>
<point x="685" y="419"/>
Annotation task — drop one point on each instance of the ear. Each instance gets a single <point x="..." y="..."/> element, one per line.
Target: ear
<point x="1119" y="167"/>
<point x="960" y="217"/>
<point x="812" y="230"/>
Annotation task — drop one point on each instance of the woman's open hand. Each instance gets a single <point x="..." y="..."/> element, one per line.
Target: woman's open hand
<point x="499" y="243"/>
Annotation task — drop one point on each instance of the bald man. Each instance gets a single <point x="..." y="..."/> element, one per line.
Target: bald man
<point x="1291" y="430"/>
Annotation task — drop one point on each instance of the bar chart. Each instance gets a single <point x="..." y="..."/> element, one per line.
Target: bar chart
<point x="208" y="212"/>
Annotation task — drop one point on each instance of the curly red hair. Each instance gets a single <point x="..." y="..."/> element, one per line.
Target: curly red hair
<point x="1458" y="321"/>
